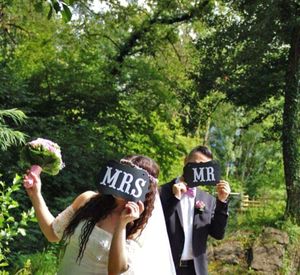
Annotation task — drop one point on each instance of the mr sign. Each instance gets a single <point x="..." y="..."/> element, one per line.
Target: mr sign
<point x="123" y="181"/>
<point x="203" y="173"/>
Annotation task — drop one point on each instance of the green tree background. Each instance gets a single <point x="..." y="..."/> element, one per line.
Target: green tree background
<point x="155" y="78"/>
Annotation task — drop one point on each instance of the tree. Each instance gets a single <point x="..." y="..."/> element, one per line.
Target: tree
<point x="252" y="55"/>
<point x="113" y="92"/>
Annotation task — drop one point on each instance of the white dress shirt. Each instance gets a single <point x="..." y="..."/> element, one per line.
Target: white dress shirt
<point x="187" y="216"/>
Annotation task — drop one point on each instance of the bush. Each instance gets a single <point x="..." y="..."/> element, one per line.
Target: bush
<point x="11" y="224"/>
<point x="45" y="262"/>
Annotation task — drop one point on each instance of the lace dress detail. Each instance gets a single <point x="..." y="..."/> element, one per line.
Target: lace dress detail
<point x="62" y="220"/>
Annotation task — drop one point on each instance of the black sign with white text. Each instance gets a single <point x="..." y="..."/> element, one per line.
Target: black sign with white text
<point x="123" y="181"/>
<point x="203" y="173"/>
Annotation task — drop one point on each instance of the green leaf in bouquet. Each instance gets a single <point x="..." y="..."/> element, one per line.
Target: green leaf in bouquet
<point x="49" y="162"/>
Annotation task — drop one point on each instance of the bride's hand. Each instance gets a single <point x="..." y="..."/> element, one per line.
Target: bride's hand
<point x="132" y="211"/>
<point x="32" y="183"/>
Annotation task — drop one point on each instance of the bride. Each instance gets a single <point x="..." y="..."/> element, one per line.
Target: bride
<point x="104" y="234"/>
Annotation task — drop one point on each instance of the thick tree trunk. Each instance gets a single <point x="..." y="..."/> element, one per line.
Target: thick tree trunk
<point x="291" y="130"/>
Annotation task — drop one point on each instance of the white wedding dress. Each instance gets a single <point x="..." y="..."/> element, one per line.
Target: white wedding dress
<point x="95" y="257"/>
<point x="154" y="257"/>
<point x="149" y="254"/>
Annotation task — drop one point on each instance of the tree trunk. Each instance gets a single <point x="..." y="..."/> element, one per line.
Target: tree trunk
<point x="207" y="132"/>
<point x="291" y="130"/>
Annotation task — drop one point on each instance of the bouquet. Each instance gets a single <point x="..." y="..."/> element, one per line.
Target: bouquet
<point x="41" y="155"/>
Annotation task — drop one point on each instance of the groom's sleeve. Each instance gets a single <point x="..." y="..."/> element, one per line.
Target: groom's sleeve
<point x="219" y="220"/>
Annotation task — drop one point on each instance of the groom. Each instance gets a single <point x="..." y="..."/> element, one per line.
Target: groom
<point x="190" y="218"/>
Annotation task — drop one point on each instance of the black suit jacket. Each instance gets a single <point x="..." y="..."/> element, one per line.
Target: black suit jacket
<point x="210" y="222"/>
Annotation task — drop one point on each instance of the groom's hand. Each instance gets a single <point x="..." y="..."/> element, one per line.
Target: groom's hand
<point x="223" y="190"/>
<point x="178" y="189"/>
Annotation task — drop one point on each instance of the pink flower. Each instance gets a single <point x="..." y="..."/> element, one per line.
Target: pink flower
<point x="200" y="206"/>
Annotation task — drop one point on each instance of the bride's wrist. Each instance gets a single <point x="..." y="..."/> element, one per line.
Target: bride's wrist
<point x="36" y="198"/>
<point x="121" y="224"/>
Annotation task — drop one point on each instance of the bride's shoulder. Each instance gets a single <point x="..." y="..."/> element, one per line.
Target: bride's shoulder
<point x="82" y="199"/>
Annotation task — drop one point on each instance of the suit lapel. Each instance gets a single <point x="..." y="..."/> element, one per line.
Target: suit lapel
<point x="178" y="207"/>
<point x="198" y="195"/>
<point x="199" y="217"/>
<point x="179" y="213"/>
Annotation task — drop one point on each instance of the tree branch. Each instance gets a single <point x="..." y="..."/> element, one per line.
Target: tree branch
<point x="146" y="26"/>
<point x="259" y="118"/>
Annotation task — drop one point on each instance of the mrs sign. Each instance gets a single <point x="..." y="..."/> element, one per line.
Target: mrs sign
<point x="123" y="181"/>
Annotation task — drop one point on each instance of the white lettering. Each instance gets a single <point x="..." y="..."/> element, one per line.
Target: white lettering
<point x="198" y="176"/>
<point x="210" y="174"/>
<point x="111" y="180"/>
<point x="127" y="179"/>
<point x="138" y="183"/>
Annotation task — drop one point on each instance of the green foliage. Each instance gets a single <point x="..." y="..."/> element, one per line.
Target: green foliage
<point x="9" y="136"/>
<point x="291" y="228"/>
<point x="60" y="7"/>
<point x="57" y="6"/>
<point x="45" y="262"/>
<point x="11" y="226"/>
<point x="291" y="258"/>
<point x="268" y="213"/>
<point x="26" y="270"/>
<point x="250" y="159"/>
<point x="154" y="79"/>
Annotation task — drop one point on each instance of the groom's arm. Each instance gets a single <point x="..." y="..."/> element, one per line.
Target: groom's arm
<point x="220" y="213"/>
<point x="219" y="220"/>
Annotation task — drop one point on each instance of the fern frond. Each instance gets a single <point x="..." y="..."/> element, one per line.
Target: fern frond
<point x="10" y="137"/>
<point x="16" y="115"/>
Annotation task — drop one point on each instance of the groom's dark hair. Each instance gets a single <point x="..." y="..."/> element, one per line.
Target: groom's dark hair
<point x="201" y="149"/>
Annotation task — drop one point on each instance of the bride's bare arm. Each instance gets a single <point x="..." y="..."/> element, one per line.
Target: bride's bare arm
<point x="118" y="258"/>
<point x="44" y="216"/>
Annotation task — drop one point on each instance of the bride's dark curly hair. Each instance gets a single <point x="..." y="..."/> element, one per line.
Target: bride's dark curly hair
<point x="100" y="206"/>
